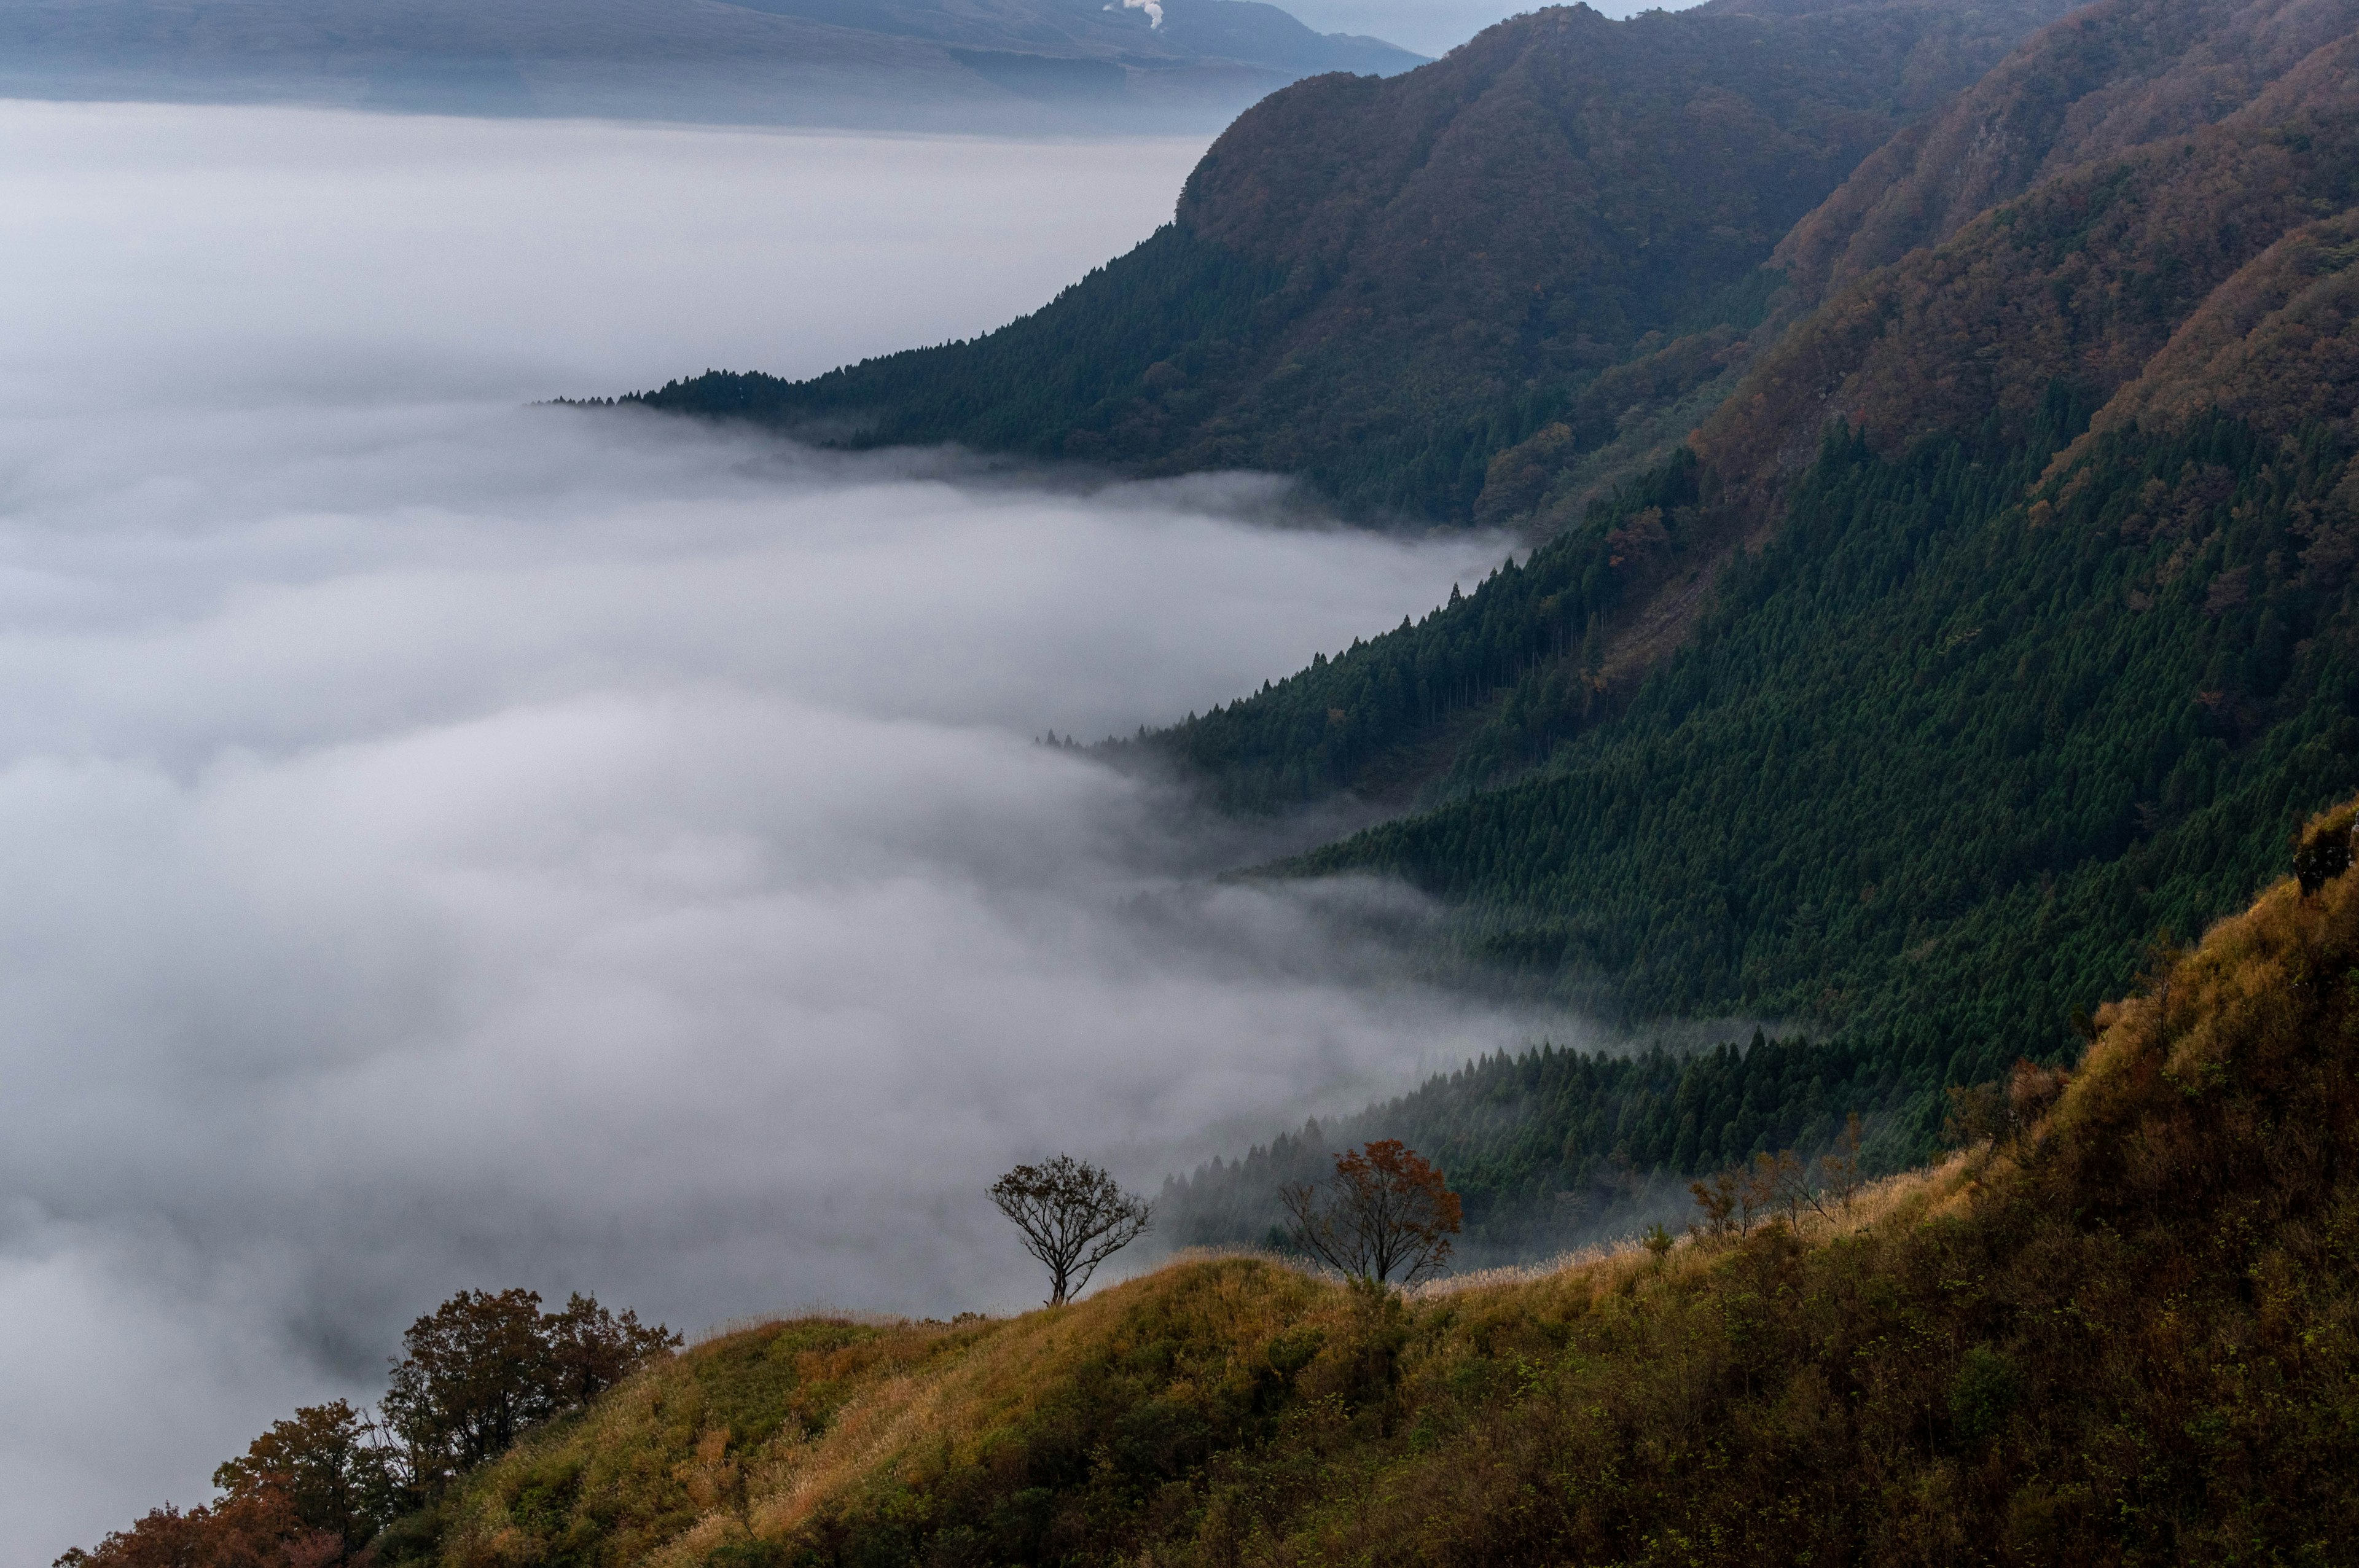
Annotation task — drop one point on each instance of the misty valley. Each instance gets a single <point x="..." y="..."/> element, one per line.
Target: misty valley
<point x="868" y="784"/>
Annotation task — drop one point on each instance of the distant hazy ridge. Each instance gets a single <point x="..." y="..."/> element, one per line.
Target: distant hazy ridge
<point x="1015" y="64"/>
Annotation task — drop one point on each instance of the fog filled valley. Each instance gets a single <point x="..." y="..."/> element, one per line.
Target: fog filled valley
<point x="459" y="843"/>
<point x="1634" y="757"/>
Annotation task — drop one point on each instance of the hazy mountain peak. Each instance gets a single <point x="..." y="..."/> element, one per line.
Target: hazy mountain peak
<point x="918" y="63"/>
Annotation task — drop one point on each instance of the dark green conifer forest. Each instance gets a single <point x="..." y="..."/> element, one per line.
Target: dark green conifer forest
<point x="1940" y="769"/>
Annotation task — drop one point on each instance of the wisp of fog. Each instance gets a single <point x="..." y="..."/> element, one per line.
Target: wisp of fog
<point x="457" y="843"/>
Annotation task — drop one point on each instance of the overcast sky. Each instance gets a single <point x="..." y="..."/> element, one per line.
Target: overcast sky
<point x="452" y="843"/>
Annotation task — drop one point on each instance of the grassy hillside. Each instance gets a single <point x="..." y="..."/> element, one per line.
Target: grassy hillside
<point x="2127" y="1333"/>
<point x="1381" y="285"/>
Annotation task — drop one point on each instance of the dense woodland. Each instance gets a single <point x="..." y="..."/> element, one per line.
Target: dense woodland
<point x="1939" y="770"/>
<point x="1931" y="610"/>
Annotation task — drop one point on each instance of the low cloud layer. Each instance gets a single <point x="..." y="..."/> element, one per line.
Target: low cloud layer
<point x="260" y="254"/>
<point x="454" y="843"/>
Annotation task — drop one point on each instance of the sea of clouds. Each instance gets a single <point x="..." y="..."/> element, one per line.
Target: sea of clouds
<point x="449" y="842"/>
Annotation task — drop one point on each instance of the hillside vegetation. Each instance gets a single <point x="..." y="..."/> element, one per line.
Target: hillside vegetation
<point x="2128" y="1332"/>
<point x="1940" y="588"/>
<point x="1998" y="625"/>
<point x="1380" y="284"/>
<point x="1550" y="1144"/>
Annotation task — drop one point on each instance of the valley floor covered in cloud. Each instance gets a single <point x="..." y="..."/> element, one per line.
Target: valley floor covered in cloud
<point x="454" y="843"/>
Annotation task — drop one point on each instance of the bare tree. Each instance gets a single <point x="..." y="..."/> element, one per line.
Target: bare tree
<point x="1839" y="1177"/>
<point x="1073" y="1215"/>
<point x="1716" y="1196"/>
<point x="1786" y="1178"/>
<point x="1388" y="1209"/>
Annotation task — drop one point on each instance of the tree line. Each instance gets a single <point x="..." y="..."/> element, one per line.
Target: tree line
<point x="1550" y="1147"/>
<point x="1940" y="767"/>
<point x="1944" y="757"/>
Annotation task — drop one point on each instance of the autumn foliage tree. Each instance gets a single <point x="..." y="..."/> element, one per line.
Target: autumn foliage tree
<point x="480" y="1368"/>
<point x="329" y="1466"/>
<point x="318" y="1487"/>
<point x="308" y="1493"/>
<point x="1388" y="1209"/>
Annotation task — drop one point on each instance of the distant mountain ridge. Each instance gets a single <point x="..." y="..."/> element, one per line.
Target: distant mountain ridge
<point x="994" y="64"/>
<point x="1383" y="285"/>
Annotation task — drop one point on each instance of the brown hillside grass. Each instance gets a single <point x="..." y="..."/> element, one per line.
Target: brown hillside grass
<point x="2129" y="1333"/>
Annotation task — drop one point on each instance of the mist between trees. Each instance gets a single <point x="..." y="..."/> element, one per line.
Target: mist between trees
<point x="1554" y="1148"/>
<point x="337" y="1486"/>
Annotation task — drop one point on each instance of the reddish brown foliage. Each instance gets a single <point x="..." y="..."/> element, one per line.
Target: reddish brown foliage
<point x="1388" y="1210"/>
<point x="253" y="1531"/>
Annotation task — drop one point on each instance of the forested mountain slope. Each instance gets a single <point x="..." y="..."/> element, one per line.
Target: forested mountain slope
<point x="1919" y="734"/>
<point x="2128" y="1332"/>
<point x="1381" y="285"/>
<point x="1995" y="620"/>
<point x="2082" y="279"/>
<point x="2113" y="77"/>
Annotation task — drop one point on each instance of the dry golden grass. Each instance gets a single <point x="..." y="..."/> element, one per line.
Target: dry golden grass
<point x="1233" y="1407"/>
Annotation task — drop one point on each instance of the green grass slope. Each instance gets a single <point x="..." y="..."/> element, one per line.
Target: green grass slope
<point x="2129" y="1333"/>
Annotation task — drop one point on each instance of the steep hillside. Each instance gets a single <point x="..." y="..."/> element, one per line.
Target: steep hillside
<point x="2117" y="75"/>
<point x="2127" y="1333"/>
<point x="2082" y="280"/>
<point x="1986" y="672"/>
<point x="1381" y="285"/>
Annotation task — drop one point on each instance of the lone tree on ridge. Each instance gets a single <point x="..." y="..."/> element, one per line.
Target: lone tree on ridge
<point x="1074" y="1217"/>
<point x="1388" y="1209"/>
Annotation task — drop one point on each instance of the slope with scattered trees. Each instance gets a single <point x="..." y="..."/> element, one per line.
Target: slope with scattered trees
<point x="2120" y="1324"/>
<point x="1548" y="1147"/>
